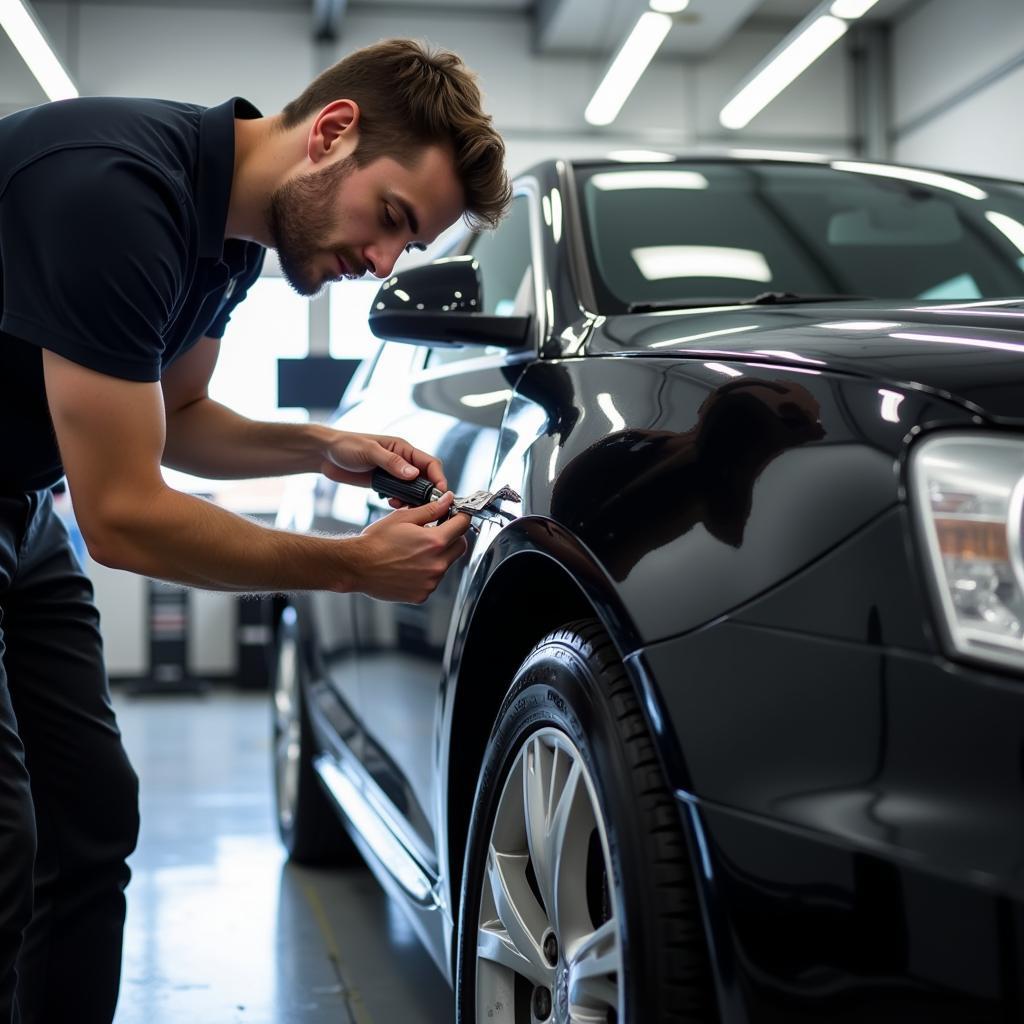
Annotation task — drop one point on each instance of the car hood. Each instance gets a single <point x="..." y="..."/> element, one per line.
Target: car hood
<point x="971" y="352"/>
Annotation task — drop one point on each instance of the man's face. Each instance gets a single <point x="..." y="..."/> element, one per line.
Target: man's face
<point x="344" y="221"/>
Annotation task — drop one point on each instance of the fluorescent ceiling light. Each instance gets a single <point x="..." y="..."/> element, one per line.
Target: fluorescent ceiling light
<point x="658" y="262"/>
<point x="1013" y="229"/>
<point x="640" y="156"/>
<point x="670" y="6"/>
<point x="851" y="9"/>
<point x="943" y="181"/>
<point x="29" y="40"/>
<point x="789" y="64"/>
<point x="627" y="67"/>
<point x="614" y="181"/>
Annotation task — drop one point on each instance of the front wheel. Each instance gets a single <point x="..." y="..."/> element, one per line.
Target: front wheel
<point x="578" y="903"/>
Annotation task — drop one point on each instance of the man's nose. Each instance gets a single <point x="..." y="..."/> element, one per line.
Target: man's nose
<point x="381" y="259"/>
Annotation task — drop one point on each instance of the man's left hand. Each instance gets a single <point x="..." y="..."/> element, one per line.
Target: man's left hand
<point x="352" y="458"/>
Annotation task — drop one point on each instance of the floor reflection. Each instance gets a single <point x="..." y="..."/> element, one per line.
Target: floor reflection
<point x="220" y="929"/>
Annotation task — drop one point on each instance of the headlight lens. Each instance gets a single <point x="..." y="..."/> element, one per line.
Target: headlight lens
<point x="968" y="491"/>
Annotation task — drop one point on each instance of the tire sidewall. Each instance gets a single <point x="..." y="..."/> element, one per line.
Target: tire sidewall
<point x="555" y="688"/>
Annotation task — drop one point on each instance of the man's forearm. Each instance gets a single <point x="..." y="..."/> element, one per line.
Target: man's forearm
<point x="208" y="439"/>
<point x="177" y="537"/>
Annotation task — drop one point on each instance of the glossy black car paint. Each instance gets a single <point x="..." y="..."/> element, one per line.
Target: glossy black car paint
<point x="720" y="488"/>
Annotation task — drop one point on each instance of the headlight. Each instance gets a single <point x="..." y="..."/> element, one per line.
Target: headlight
<point x="968" y="491"/>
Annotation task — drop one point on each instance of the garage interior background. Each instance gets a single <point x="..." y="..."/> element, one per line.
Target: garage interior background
<point x="929" y="82"/>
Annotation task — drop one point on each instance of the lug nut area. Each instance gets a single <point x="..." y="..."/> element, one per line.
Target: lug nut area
<point x="551" y="949"/>
<point x="541" y="1003"/>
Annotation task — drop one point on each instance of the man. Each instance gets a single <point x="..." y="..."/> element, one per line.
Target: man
<point x="129" y="230"/>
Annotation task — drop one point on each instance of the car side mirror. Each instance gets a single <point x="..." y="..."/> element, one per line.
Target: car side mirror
<point x="438" y="304"/>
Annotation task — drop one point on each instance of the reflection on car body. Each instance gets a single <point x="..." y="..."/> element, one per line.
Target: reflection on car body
<point x="726" y="725"/>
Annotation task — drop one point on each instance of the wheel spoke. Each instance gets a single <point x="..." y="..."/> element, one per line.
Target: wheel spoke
<point x="493" y="944"/>
<point x="566" y="849"/>
<point x="594" y="968"/>
<point x="586" y="1015"/>
<point x="544" y="771"/>
<point x="520" y="915"/>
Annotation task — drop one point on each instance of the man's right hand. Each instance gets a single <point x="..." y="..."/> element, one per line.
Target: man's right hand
<point x="402" y="558"/>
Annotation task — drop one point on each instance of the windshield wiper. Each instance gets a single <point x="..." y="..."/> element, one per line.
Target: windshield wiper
<point x="654" y="307"/>
<point x="784" y="298"/>
<point x="764" y="299"/>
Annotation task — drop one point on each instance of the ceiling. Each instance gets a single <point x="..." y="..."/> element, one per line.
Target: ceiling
<point x="600" y="26"/>
<point x="592" y="27"/>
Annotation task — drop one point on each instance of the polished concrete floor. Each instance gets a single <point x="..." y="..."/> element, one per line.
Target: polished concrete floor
<point x="220" y="929"/>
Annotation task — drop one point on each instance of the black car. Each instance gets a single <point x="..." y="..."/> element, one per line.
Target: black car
<point x="728" y="723"/>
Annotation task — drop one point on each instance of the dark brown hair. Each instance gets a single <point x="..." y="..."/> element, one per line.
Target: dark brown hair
<point x="410" y="97"/>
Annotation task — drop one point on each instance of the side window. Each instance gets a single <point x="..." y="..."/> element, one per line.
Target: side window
<point x="506" y="273"/>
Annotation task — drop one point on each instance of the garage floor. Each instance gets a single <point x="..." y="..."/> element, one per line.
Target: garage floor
<point x="220" y="929"/>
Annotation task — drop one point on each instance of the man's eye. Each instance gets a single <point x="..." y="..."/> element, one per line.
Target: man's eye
<point x="388" y="219"/>
<point x="416" y="247"/>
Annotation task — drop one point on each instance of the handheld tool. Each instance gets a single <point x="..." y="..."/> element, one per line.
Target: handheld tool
<point x="478" y="505"/>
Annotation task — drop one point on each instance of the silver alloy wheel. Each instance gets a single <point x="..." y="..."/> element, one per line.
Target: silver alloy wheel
<point x="569" y="967"/>
<point x="287" y="727"/>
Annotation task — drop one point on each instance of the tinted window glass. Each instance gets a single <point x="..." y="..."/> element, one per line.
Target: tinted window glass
<point x="506" y="265"/>
<point x="730" y="231"/>
<point x="504" y="258"/>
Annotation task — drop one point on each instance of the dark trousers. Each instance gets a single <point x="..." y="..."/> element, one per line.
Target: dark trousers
<point x="68" y="796"/>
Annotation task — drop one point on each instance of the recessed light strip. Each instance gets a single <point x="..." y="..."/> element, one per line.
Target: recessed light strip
<point x="851" y="9"/>
<point x="787" y="65"/>
<point x="30" y="41"/>
<point x="625" y="70"/>
<point x="823" y="26"/>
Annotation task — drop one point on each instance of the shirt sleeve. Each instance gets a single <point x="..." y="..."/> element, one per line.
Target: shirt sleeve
<point x="94" y="247"/>
<point x="243" y="282"/>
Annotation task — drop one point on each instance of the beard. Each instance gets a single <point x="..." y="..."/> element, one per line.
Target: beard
<point x="296" y="214"/>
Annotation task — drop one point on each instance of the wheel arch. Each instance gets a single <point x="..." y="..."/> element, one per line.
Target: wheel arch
<point x="502" y="620"/>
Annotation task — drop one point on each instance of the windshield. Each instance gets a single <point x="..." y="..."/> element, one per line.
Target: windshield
<point x="729" y="231"/>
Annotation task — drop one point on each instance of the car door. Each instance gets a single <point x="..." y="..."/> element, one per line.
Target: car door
<point x="341" y="510"/>
<point x="452" y="406"/>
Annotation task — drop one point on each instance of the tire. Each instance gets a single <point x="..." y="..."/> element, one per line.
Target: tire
<point x="571" y="752"/>
<point x="308" y="824"/>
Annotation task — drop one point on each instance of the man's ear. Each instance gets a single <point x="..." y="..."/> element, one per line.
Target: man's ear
<point x="334" y="130"/>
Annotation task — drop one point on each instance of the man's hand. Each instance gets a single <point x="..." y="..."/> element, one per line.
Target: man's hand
<point x="402" y="558"/>
<point x="352" y="458"/>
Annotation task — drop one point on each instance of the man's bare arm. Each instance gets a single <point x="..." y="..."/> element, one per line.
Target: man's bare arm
<point x="111" y="437"/>
<point x="208" y="439"/>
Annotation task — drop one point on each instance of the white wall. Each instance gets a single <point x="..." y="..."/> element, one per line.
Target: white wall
<point x="941" y="53"/>
<point x="205" y="54"/>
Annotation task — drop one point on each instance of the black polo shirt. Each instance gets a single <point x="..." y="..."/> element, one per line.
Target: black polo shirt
<point x="112" y="251"/>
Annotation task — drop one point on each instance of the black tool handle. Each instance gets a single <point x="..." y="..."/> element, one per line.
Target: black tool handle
<point x="413" y="492"/>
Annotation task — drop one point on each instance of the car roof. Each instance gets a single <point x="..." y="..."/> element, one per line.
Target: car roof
<point x="623" y="158"/>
